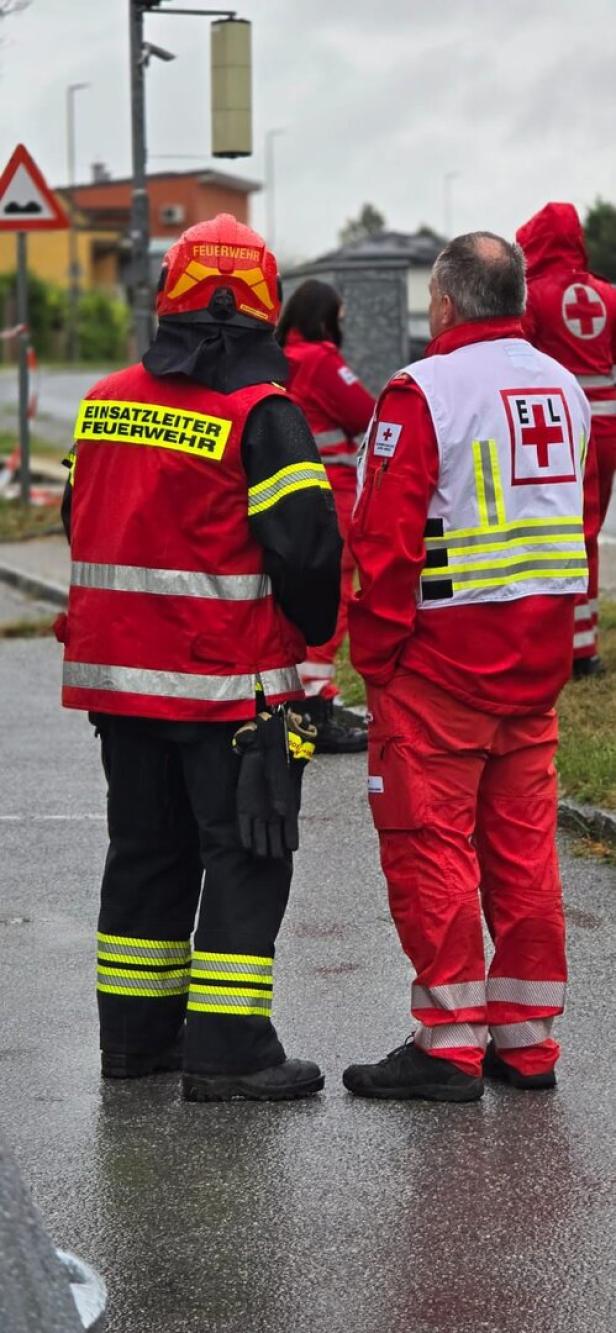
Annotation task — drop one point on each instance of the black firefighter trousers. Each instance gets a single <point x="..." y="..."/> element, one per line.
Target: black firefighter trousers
<point x="172" y="817"/>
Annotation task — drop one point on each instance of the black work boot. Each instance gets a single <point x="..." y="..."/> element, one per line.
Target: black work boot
<point x="408" y="1072"/>
<point x="122" y="1064"/>
<point x="583" y="667"/>
<point x="334" y="736"/>
<point x="278" y="1083"/>
<point x="494" y="1067"/>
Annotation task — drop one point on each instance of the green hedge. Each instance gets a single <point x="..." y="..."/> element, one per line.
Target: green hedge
<point x="103" y="321"/>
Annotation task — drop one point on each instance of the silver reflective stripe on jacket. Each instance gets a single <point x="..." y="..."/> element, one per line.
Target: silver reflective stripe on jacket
<point x="596" y="381"/>
<point x="457" y="995"/>
<point x="177" y="684"/>
<point x="514" y="990"/>
<point x="605" y="407"/>
<point x="170" y="582"/>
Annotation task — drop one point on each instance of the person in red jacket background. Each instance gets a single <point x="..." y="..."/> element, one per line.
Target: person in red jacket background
<point x="469" y="541"/>
<point x="571" y="314"/>
<point x="338" y="409"/>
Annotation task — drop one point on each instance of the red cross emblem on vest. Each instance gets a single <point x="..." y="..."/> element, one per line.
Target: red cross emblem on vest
<point x="541" y="436"/>
<point x="584" y="312"/>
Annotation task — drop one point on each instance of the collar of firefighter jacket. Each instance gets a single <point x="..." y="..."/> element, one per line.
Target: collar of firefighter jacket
<point x="476" y="331"/>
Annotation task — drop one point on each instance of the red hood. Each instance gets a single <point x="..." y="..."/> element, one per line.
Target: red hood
<point x="554" y="235"/>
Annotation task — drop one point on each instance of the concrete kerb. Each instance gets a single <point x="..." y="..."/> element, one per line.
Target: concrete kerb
<point x="588" y="821"/>
<point x="43" y="589"/>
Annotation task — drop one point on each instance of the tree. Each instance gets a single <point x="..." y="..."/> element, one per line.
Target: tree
<point x="600" y="228"/>
<point x="369" y="222"/>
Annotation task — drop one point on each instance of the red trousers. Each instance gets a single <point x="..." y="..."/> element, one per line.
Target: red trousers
<point x="604" y="432"/>
<point x="586" y="612"/>
<point x="317" y="673"/>
<point x="465" y="806"/>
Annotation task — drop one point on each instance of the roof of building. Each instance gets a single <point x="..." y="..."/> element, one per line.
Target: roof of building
<point x="413" y="250"/>
<point x="206" y="176"/>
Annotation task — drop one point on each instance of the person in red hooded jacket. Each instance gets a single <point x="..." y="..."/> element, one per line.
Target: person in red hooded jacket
<point x="571" y="315"/>
<point x="338" y="409"/>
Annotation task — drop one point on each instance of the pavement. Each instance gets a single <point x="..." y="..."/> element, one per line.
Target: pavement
<point x="313" y="1217"/>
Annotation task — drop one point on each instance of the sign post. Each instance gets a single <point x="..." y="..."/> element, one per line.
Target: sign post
<point x="26" y="204"/>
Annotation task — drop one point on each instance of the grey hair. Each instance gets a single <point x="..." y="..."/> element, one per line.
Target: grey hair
<point x="483" y="275"/>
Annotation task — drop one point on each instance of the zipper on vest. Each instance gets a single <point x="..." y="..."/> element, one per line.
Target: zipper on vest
<point x="379" y="476"/>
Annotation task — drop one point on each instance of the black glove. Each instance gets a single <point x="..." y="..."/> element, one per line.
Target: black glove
<point x="273" y="750"/>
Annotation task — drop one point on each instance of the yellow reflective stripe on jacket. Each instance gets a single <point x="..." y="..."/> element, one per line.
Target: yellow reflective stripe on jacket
<point x="296" y="477"/>
<point x="576" y="523"/>
<point x="113" y="422"/>
<point x="569" y="558"/>
<point x="488" y="483"/>
<point x="70" y="462"/>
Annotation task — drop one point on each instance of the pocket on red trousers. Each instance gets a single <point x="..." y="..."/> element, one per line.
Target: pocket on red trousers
<point x="396" y="786"/>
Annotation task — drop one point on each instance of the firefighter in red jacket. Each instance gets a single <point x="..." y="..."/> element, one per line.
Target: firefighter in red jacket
<point x="571" y="315"/>
<point x="338" y="409"/>
<point x="204" y="551"/>
<point x="468" y="536"/>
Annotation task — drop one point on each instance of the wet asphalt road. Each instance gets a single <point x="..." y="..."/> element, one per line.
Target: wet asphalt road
<point x="314" y="1217"/>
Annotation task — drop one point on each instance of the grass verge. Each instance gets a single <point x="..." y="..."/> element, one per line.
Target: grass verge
<point x="38" y="445"/>
<point x="587" y="716"/>
<point x="18" y="521"/>
<point x="28" y="629"/>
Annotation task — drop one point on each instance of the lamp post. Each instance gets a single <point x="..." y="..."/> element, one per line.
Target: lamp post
<point x="270" y="194"/>
<point x="73" y="255"/>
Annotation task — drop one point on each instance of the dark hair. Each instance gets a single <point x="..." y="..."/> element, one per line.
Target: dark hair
<point x="484" y="281"/>
<point x="313" y="310"/>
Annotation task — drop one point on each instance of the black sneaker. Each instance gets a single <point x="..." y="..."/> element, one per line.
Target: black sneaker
<point x="279" y="1083"/>
<point x="120" y="1064"/>
<point x="583" y="667"/>
<point x="409" y="1072"/>
<point x="335" y="736"/>
<point x="494" y="1067"/>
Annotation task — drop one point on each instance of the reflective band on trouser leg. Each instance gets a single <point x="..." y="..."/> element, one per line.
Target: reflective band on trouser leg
<point x="227" y="983"/>
<point x="535" y="994"/>
<point x="604" y="408"/>
<point x="315" y="676"/>
<point x="142" y="969"/>
<point x="585" y="615"/>
<point x="511" y="1036"/>
<point x="457" y="995"/>
<point x="451" y="1037"/>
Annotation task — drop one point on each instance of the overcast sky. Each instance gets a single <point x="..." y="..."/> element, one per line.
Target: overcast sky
<point x="380" y="100"/>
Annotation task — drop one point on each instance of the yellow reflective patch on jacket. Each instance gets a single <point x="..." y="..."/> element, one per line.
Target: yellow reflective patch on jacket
<point x="194" y="433"/>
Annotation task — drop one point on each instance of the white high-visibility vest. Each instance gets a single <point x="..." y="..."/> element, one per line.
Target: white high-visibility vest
<point x="512" y="428"/>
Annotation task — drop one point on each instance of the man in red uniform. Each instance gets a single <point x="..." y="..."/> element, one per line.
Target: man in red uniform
<point x="571" y="315"/>
<point x="338" y="409"/>
<point x="468" y="536"/>
<point x="204" y="551"/>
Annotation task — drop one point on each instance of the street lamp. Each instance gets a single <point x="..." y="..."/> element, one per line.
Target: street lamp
<point x="270" y="199"/>
<point x="73" y="256"/>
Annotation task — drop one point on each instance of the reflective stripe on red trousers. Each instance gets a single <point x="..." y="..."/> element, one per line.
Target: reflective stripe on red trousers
<point x="465" y="806"/>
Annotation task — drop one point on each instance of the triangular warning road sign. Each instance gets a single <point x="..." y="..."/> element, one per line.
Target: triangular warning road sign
<point x="26" y="201"/>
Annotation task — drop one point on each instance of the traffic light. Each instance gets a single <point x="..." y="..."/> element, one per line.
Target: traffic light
<point x="231" y="88"/>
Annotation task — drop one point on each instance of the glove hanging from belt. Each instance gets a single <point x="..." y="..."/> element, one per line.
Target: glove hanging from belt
<point x="273" y="750"/>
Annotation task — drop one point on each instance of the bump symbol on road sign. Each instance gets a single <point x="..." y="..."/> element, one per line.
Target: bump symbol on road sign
<point x="584" y="312"/>
<point x="26" y="202"/>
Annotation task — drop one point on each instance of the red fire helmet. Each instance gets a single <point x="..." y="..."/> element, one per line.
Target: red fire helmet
<point x="224" y="271"/>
